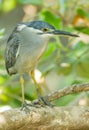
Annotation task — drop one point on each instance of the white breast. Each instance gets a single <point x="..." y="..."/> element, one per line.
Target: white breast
<point x="31" y="49"/>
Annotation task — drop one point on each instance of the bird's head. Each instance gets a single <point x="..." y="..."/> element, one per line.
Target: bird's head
<point x="44" y="29"/>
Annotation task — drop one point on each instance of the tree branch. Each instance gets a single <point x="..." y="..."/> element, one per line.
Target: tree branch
<point x="46" y="118"/>
<point x="66" y="91"/>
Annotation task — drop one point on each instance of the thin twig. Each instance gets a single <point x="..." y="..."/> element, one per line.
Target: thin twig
<point x="66" y="91"/>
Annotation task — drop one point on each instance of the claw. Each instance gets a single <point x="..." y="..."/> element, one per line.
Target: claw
<point x="44" y="101"/>
<point x="25" y="106"/>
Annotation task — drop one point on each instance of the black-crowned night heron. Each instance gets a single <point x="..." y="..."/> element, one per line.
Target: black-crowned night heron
<point x="25" y="47"/>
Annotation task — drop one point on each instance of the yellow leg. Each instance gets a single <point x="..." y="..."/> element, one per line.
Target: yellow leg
<point x="39" y="91"/>
<point x="22" y="85"/>
<point x="38" y="88"/>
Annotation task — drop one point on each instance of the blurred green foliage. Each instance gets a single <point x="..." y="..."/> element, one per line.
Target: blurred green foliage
<point x="8" y="5"/>
<point x="2" y="33"/>
<point x="67" y="57"/>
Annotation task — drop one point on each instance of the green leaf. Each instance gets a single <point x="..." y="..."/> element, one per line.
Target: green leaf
<point x="9" y="5"/>
<point x="79" y="46"/>
<point x="82" y="69"/>
<point x="35" y="2"/>
<point x="66" y="100"/>
<point x="83" y="29"/>
<point x="50" y="49"/>
<point x="2" y="33"/>
<point x="66" y="70"/>
<point x="2" y="80"/>
<point x="79" y="50"/>
<point x="82" y="13"/>
<point x="51" y="18"/>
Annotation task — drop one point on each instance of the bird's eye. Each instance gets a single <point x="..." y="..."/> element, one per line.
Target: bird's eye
<point x="45" y="29"/>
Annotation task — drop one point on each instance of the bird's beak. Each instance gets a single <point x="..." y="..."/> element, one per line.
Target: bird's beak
<point x="64" y="33"/>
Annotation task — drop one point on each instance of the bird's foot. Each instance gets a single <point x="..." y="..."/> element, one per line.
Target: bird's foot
<point x="25" y="106"/>
<point x="42" y="101"/>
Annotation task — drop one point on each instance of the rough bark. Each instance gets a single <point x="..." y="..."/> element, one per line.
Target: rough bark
<point x="66" y="91"/>
<point x="46" y="118"/>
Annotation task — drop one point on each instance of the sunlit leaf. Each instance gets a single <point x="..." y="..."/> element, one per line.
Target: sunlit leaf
<point x="51" y="18"/>
<point x="83" y="29"/>
<point x="2" y="31"/>
<point x="2" y="80"/>
<point x="83" y="13"/>
<point x="83" y="69"/>
<point x="50" y="49"/>
<point x="35" y="2"/>
<point x="65" y="69"/>
<point x="9" y="5"/>
<point x="66" y="100"/>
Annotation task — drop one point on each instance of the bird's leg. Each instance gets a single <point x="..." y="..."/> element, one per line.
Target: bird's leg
<point x="38" y="88"/>
<point x="43" y="100"/>
<point x="23" y="97"/>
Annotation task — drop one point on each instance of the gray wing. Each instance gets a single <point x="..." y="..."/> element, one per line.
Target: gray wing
<point x="11" y="50"/>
